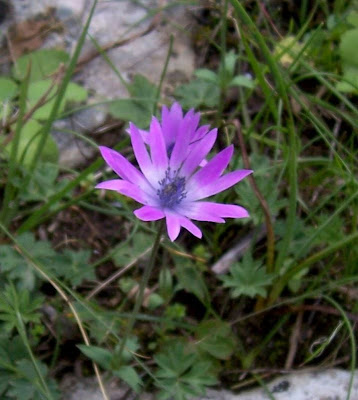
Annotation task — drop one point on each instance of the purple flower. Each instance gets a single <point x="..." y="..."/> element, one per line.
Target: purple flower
<point x="171" y="182"/>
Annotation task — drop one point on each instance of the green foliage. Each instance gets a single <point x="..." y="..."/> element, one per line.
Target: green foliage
<point x="139" y="107"/>
<point x="247" y="278"/>
<point x="17" y="268"/>
<point x="29" y="141"/>
<point x="190" y="279"/>
<point x="266" y="180"/>
<point x="198" y="93"/>
<point x="43" y="185"/>
<point x="18" y="377"/>
<point x="298" y="116"/>
<point x="74" y="266"/>
<point x="204" y="91"/>
<point x="14" y="302"/>
<point x="181" y="374"/>
<point x="349" y="59"/>
<point x="44" y="62"/>
<point x="70" y="265"/>
<point x="122" y="255"/>
<point x="215" y="338"/>
<point x="109" y="360"/>
<point x="8" y="89"/>
<point x="73" y="94"/>
<point x="153" y="301"/>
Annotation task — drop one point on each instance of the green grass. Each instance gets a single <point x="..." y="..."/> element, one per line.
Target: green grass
<point x="300" y="132"/>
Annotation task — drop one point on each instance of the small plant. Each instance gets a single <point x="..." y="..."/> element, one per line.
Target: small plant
<point x="247" y="278"/>
<point x="181" y="374"/>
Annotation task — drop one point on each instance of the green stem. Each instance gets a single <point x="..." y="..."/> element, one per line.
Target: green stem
<point x="143" y="284"/>
<point x="352" y="340"/>
<point x="162" y="75"/>
<point x="42" y="382"/>
<point x="282" y="282"/>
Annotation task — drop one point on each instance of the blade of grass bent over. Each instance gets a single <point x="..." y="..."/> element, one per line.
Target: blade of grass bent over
<point x="10" y="191"/>
<point x="291" y="155"/>
<point x="45" y="131"/>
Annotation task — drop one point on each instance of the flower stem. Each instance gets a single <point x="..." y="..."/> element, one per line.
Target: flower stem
<point x="143" y="284"/>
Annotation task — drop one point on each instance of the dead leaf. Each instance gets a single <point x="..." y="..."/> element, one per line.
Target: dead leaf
<point x="29" y="35"/>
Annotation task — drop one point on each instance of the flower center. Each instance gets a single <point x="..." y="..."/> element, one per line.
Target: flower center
<point x="172" y="189"/>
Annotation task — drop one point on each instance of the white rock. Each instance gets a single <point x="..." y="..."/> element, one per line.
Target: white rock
<point x="113" y="21"/>
<point x="331" y="384"/>
<point x="325" y="385"/>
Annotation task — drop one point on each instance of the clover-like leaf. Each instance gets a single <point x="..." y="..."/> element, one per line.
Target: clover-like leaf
<point x="247" y="278"/>
<point x="181" y="374"/>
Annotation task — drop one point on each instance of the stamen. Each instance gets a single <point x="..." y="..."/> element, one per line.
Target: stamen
<point x="172" y="190"/>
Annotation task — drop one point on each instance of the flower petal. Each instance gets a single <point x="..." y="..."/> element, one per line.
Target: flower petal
<point x="181" y="145"/>
<point x="193" y="210"/>
<point x="201" y="132"/>
<point x="145" y="135"/>
<point x="157" y="146"/>
<point x="192" y="228"/>
<point x="218" y="185"/>
<point x="126" y="188"/>
<point x="173" y="225"/>
<point x="122" y="167"/>
<point x="148" y="213"/>
<point x="221" y="210"/>
<point x="142" y="155"/>
<point x="213" y="169"/>
<point x="170" y="122"/>
<point x="198" y="151"/>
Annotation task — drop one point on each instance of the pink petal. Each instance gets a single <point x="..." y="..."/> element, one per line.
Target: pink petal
<point x="145" y="135"/>
<point x="201" y="132"/>
<point x="173" y="225"/>
<point x="149" y="213"/>
<point x="126" y="188"/>
<point x="217" y="185"/>
<point x="213" y="169"/>
<point x="157" y="146"/>
<point x="198" y="152"/>
<point x="141" y="154"/>
<point x="192" y="228"/>
<point x="221" y="210"/>
<point x="170" y="122"/>
<point x="122" y="167"/>
<point x="193" y="120"/>
<point x="181" y="145"/>
<point x="194" y="211"/>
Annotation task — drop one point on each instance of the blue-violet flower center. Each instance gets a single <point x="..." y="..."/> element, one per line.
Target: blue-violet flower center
<point x="172" y="189"/>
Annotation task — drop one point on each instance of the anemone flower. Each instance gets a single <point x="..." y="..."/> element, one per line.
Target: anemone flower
<point x="172" y="182"/>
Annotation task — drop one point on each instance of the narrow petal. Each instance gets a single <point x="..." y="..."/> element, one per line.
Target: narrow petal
<point x="193" y="120"/>
<point x="181" y="145"/>
<point x="148" y="213"/>
<point x="139" y="149"/>
<point x="221" y="210"/>
<point x="217" y="185"/>
<point x="122" y="167"/>
<point x="193" y="210"/>
<point x="142" y="155"/>
<point x="145" y="135"/>
<point x="126" y="188"/>
<point x="213" y="169"/>
<point x="198" y="152"/>
<point x="157" y="146"/>
<point x="192" y="228"/>
<point x="170" y="122"/>
<point x="173" y="225"/>
<point x="201" y="132"/>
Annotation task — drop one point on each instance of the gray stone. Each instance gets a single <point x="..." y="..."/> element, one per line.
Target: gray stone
<point x="331" y="384"/>
<point x="143" y="54"/>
